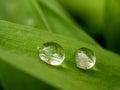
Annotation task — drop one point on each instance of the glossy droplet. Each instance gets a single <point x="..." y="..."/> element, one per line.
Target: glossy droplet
<point x="52" y="53"/>
<point x="85" y="58"/>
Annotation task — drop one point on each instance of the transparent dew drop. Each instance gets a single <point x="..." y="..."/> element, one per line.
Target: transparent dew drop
<point x="85" y="58"/>
<point x="52" y="53"/>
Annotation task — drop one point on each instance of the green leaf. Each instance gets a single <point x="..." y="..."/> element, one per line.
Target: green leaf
<point x="59" y="21"/>
<point x="89" y="13"/>
<point x="22" y="12"/>
<point x="100" y="19"/>
<point x="46" y="14"/>
<point x="19" y="56"/>
<point x="15" y="79"/>
<point x="112" y="32"/>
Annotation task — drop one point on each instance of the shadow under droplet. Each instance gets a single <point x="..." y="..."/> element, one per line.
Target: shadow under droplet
<point x="61" y="67"/>
<point x="92" y="72"/>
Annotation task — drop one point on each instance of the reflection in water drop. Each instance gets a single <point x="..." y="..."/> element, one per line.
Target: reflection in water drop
<point x="52" y="53"/>
<point x="85" y="58"/>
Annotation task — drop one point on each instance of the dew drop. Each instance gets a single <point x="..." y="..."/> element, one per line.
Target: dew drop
<point x="85" y="58"/>
<point x="52" y="53"/>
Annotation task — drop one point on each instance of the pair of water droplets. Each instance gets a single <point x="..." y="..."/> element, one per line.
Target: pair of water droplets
<point x="53" y="54"/>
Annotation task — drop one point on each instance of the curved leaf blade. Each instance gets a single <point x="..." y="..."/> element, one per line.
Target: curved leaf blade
<point x="18" y="48"/>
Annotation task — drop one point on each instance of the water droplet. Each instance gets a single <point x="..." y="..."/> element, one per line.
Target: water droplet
<point x="85" y="58"/>
<point x="52" y="53"/>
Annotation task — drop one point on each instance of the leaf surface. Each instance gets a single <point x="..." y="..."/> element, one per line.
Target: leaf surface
<point x="18" y="49"/>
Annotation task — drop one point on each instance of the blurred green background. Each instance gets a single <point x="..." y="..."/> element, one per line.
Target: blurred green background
<point x="99" y="18"/>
